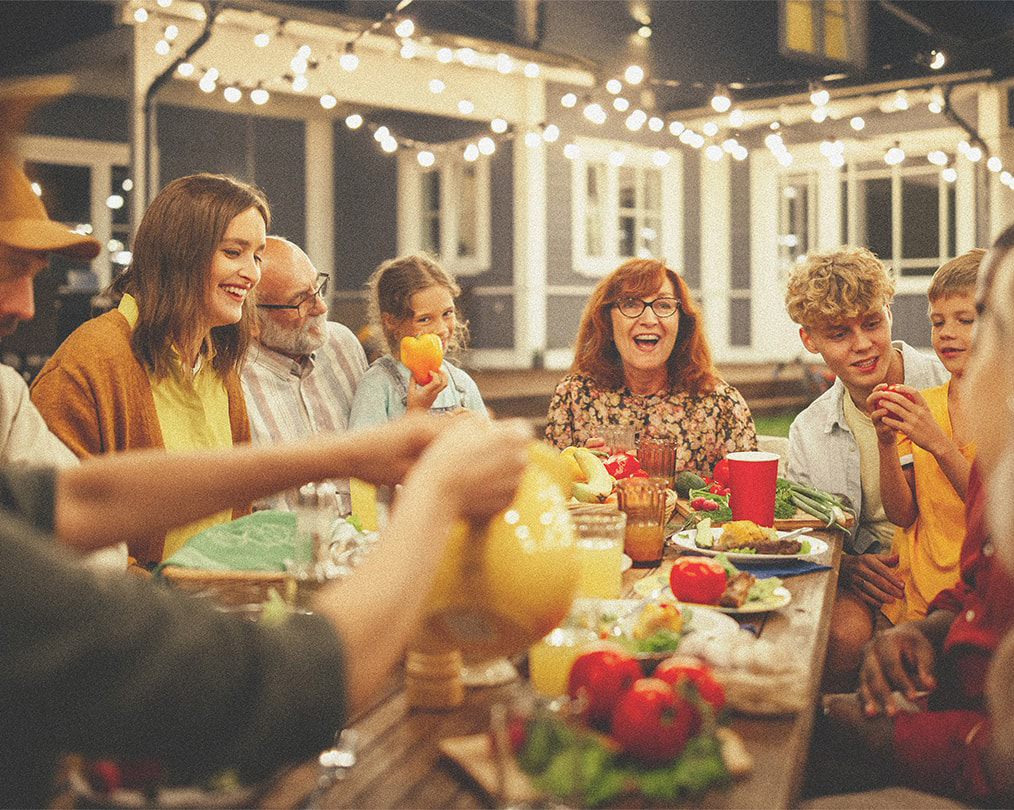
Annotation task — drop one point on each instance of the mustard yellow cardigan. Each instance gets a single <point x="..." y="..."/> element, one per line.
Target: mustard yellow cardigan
<point x="96" y="397"/>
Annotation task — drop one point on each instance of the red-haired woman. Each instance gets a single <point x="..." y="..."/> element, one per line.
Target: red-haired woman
<point x="641" y="359"/>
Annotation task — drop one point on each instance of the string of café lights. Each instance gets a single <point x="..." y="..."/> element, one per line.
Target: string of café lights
<point x="717" y="138"/>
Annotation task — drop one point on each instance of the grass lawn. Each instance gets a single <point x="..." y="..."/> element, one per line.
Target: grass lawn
<point x="775" y="424"/>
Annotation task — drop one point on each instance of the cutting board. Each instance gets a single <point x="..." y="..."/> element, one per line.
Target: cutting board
<point x="800" y="520"/>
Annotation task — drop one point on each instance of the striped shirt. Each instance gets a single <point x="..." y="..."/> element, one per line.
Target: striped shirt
<point x="289" y="400"/>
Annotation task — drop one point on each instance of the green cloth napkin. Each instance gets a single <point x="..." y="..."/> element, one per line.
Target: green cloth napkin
<point x="261" y="541"/>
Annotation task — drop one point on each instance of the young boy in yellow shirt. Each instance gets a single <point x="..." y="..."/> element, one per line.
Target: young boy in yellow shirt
<point x="926" y="449"/>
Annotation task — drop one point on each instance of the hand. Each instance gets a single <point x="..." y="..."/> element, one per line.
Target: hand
<point x="384" y="454"/>
<point x="474" y="466"/>
<point x="870" y="576"/>
<point x="886" y="434"/>
<point x="900" y="658"/>
<point x="422" y="397"/>
<point x="905" y="409"/>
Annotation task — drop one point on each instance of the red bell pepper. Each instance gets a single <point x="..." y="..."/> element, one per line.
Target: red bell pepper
<point x="624" y="465"/>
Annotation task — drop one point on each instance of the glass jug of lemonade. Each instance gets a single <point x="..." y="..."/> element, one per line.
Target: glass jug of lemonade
<point x="503" y="586"/>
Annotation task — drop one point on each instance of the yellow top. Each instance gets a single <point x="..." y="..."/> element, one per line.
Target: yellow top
<point x="930" y="548"/>
<point x="193" y="414"/>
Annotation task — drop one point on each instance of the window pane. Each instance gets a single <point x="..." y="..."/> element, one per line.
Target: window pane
<point x="66" y="191"/>
<point x="651" y="241"/>
<point x="653" y="191"/>
<point x="628" y="187"/>
<point x="793" y="219"/>
<point x="874" y="215"/>
<point x="467" y="205"/>
<point x="625" y="237"/>
<point x="595" y="183"/>
<point x="431" y="212"/>
<point x="920" y="217"/>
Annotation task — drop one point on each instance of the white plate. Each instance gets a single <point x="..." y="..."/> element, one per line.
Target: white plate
<point x="685" y="540"/>
<point x="625" y="563"/>
<point x="659" y="585"/>
<point x="704" y="619"/>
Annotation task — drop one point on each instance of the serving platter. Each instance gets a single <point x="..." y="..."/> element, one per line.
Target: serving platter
<point x="658" y="585"/>
<point x="685" y="542"/>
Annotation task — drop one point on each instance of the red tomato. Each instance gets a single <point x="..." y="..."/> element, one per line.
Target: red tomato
<point x="896" y="389"/>
<point x="652" y="722"/>
<point x="697" y="579"/>
<point x="599" y="677"/>
<point x="686" y="668"/>
<point x="721" y="472"/>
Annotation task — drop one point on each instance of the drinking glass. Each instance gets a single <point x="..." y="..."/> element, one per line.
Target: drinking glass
<point x="658" y="458"/>
<point x="618" y="438"/>
<point x="643" y="501"/>
<point x="550" y="659"/>
<point x="599" y="537"/>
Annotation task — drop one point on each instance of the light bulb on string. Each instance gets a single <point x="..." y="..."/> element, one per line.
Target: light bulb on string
<point x="937" y="60"/>
<point x="594" y="113"/>
<point x="571" y="151"/>
<point x="162" y="47"/>
<point x="487" y="146"/>
<point x="858" y="123"/>
<point x="471" y="152"/>
<point x="617" y="158"/>
<point x="328" y="101"/>
<point x="504" y="64"/>
<point x="466" y="107"/>
<point x="636" y="120"/>
<point x="938" y="157"/>
<point x="466" y="56"/>
<point x="644" y="32"/>
<point x="170" y="33"/>
<point x="262" y="39"/>
<point x="819" y="96"/>
<point x="551" y="133"/>
<point x="994" y="164"/>
<point x="720" y="101"/>
<point x="259" y="95"/>
<point x="974" y="154"/>
<point x="445" y="56"/>
<point x="436" y="86"/>
<point x="949" y="174"/>
<point x="405" y="28"/>
<point x="894" y="155"/>
<point x="736" y="118"/>
<point x="389" y="144"/>
<point x="498" y="125"/>
<point x="353" y="121"/>
<point x="614" y="86"/>
<point x="655" y="123"/>
<point x="1006" y="177"/>
<point x="408" y="49"/>
<point x="232" y="94"/>
<point x="660" y="158"/>
<point x="349" y="60"/>
<point x="634" y="74"/>
<point x="532" y="70"/>
<point x="300" y="83"/>
<point x="141" y="15"/>
<point x="710" y="129"/>
<point x="568" y="100"/>
<point x="426" y="158"/>
<point x="713" y="152"/>
<point x="620" y="104"/>
<point x="676" y="127"/>
<point x="533" y="139"/>
<point x="185" y="69"/>
<point x="819" y="115"/>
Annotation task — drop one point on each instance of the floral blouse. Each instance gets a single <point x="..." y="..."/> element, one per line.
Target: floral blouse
<point x="706" y="427"/>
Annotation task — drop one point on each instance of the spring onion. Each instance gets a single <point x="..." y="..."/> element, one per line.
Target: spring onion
<point x="831" y="509"/>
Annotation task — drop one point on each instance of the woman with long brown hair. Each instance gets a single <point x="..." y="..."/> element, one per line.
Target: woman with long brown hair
<point x="641" y="359"/>
<point x="160" y="370"/>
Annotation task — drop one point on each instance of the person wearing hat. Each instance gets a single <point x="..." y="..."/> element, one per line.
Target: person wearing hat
<point x="27" y="238"/>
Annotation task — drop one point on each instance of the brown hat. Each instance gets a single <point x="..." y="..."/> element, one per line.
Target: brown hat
<point x="24" y="223"/>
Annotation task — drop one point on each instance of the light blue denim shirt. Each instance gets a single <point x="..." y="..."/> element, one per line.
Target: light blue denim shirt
<point x="824" y="454"/>
<point x="380" y="398"/>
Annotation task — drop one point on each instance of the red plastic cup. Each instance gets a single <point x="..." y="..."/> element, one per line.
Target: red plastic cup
<point x="752" y="478"/>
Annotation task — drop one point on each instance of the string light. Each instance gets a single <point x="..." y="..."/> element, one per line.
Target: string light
<point x="620" y="104"/>
<point x="405" y="28"/>
<point x="232" y="94"/>
<point x="937" y="157"/>
<point x="498" y="125"/>
<point x="466" y="107"/>
<point x="937" y="60"/>
<point x="634" y="74"/>
<point x="426" y="158"/>
<point x="328" y="101"/>
<point x="949" y="174"/>
<point x="894" y="155"/>
<point x="349" y="60"/>
<point x="819" y="95"/>
<point x="720" y="101"/>
<point x="259" y="95"/>
<point x="568" y="100"/>
<point x="354" y="121"/>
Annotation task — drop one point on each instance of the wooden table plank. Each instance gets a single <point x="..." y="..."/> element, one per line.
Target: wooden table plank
<point x="400" y="764"/>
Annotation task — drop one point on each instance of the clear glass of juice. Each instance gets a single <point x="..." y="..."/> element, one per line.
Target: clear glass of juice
<point x="550" y="659"/>
<point x="599" y="537"/>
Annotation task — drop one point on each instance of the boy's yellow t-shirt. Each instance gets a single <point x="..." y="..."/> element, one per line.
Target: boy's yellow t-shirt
<point x="930" y="548"/>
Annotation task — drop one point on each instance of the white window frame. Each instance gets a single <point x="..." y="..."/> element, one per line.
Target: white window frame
<point x="410" y="205"/>
<point x="99" y="157"/>
<point x="597" y="152"/>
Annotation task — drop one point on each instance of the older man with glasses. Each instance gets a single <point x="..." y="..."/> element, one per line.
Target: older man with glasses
<point x="302" y="369"/>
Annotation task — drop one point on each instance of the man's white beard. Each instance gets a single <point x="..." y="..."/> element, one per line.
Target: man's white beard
<point x="308" y="338"/>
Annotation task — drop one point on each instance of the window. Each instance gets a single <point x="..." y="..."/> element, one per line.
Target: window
<point x="797" y="211"/>
<point x="625" y="205"/>
<point x="444" y="210"/>
<point x="86" y="186"/>
<point x="904" y="214"/>
<point x="821" y="30"/>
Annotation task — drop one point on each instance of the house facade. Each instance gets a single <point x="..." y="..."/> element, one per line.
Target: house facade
<point x="529" y="174"/>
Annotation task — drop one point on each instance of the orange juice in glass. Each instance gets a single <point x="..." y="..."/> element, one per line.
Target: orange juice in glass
<point x="550" y="659"/>
<point x="643" y="501"/>
<point x="599" y="538"/>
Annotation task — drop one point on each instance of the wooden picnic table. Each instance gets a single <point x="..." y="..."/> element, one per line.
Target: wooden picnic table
<point x="400" y="764"/>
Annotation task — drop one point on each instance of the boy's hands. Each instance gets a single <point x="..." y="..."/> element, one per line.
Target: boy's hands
<point x="872" y="577"/>
<point x="901" y="407"/>
<point x="900" y="658"/>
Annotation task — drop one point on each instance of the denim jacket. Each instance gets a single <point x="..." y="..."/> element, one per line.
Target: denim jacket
<point x="824" y="454"/>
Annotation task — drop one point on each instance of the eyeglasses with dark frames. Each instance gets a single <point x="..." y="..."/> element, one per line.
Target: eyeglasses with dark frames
<point x="304" y="304"/>
<point x="662" y="307"/>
